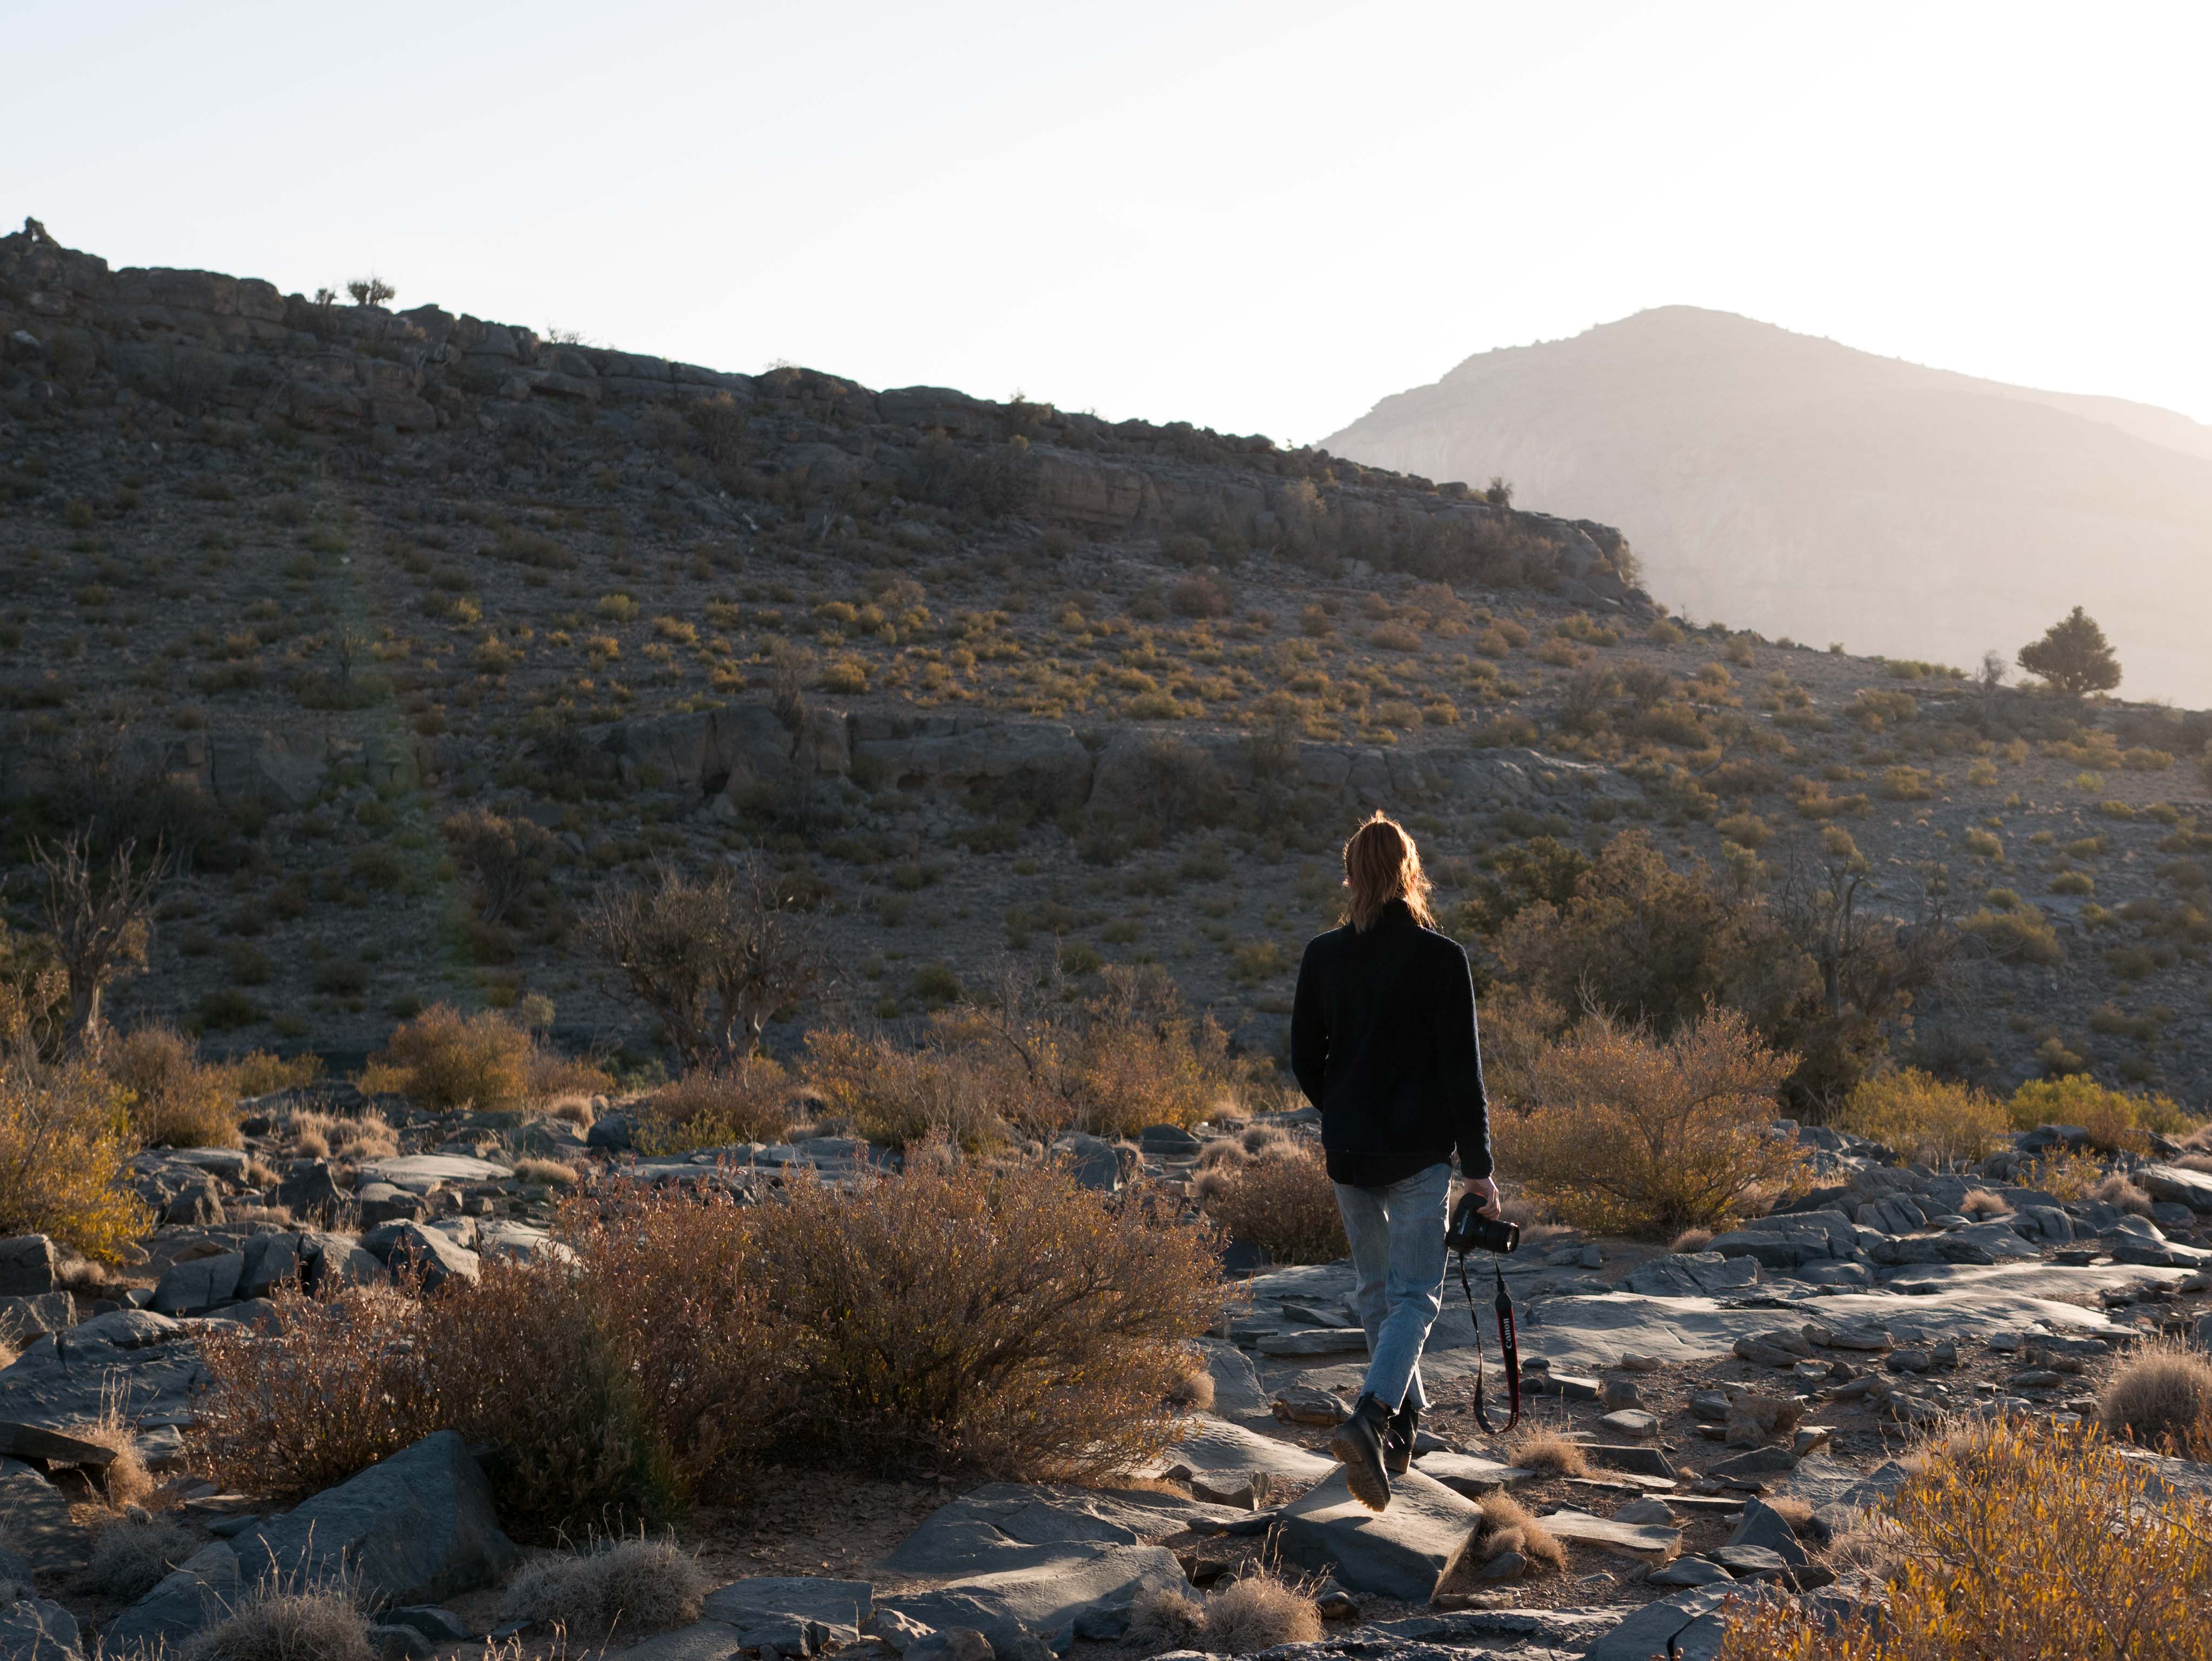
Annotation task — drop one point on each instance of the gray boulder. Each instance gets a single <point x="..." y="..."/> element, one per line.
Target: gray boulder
<point x="415" y="1528"/>
<point x="27" y="1318"/>
<point x="763" y="1598"/>
<point x="431" y="1253"/>
<point x="198" y="1283"/>
<point x="199" y="1590"/>
<point x="309" y="1189"/>
<point x="2178" y="1185"/>
<point x="1657" y="1628"/>
<point x="1095" y="1162"/>
<point x="1764" y="1526"/>
<point x="29" y="1265"/>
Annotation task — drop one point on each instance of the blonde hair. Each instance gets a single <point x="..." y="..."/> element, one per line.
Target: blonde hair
<point x="1381" y="864"/>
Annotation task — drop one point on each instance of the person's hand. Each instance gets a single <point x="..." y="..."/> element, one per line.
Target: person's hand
<point x="1483" y="1188"/>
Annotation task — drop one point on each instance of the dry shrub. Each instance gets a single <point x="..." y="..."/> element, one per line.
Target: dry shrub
<point x="275" y="1624"/>
<point x="935" y="1319"/>
<point x="2160" y="1398"/>
<point x="1539" y="1448"/>
<point x="2117" y="1189"/>
<point x="1123" y="1059"/>
<point x="2012" y="1541"/>
<point x="133" y="1551"/>
<point x="1692" y="1239"/>
<point x="1258" y="1612"/>
<point x="260" y="1072"/>
<point x="1924" y="1118"/>
<point x="575" y="1109"/>
<point x="1637" y="1134"/>
<point x="635" y="1587"/>
<point x="893" y="1094"/>
<point x="66" y="1140"/>
<point x="1222" y="1150"/>
<point x="747" y="1102"/>
<point x="952" y="1308"/>
<point x="1982" y="1205"/>
<point x="177" y="1100"/>
<point x="568" y="1079"/>
<point x="1283" y="1203"/>
<point x="444" y="1059"/>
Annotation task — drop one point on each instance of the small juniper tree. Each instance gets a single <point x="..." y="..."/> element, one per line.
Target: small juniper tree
<point x="371" y="290"/>
<point x="2072" y="656"/>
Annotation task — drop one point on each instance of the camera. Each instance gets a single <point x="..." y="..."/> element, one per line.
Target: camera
<point x="1470" y="1229"/>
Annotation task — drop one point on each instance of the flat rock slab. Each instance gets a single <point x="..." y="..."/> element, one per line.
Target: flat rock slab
<point x="1224" y="1463"/>
<point x="418" y="1173"/>
<point x="1046" y="1598"/>
<point x="1397" y="1553"/>
<point x="1016" y="1525"/>
<point x="1313" y="1340"/>
<point x="763" y="1598"/>
<point x="1470" y="1474"/>
<point x="1648" y="1543"/>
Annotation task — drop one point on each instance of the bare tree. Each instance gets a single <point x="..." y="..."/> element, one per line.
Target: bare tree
<point x="99" y="920"/>
<point x="713" y="958"/>
<point x="347" y="644"/>
<point x="508" y="855"/>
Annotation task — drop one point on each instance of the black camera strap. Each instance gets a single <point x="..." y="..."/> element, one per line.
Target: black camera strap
<point x="1508" y="1341"/>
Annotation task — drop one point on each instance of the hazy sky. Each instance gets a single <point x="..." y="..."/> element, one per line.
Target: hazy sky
<point x="1260" y="217"/>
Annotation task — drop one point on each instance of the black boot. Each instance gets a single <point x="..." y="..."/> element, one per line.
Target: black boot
<point x="1358" y="1446"/>
<point x="1398" y="1445"/>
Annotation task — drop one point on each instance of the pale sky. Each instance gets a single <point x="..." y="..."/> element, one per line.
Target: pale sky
<point x="1260" y="217"/>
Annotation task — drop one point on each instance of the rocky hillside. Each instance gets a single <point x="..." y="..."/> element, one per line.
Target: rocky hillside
<point x="1795" y="486"/>
<point x="298" y="588"/>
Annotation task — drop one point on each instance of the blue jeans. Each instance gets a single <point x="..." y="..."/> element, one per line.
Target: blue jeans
<point x="1397" y="1236"/>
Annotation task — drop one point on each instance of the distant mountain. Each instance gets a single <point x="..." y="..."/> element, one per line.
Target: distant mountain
<point x="1799" y="487"/>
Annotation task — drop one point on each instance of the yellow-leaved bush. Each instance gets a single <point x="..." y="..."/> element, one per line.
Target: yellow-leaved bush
<point x="1926" y="1118"/>
<point x="2116" y="1120"/>
<point x="66" y="1140"/>
<point x="2015" y="1541"/>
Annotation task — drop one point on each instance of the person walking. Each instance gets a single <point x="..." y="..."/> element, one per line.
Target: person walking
<point x="1383" y="1041"/>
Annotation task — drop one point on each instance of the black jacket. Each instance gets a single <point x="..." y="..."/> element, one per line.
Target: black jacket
<point x="1383" y="1040"/>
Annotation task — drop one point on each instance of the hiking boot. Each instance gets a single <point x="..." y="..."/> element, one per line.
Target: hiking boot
<point x="1398" y="1445"/>
<point x="1358" y="1446"/>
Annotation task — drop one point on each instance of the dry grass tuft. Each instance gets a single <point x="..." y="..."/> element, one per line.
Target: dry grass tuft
<point x="1692" y="1239"/>
<point x="1283" y="1202"/>
<point x="2117" y="1189"/>
<point x="636" y="1586"/>
<point x="1981" y="1205"/>
<point x="1504" y="1525"/>
<point x="129" y="1481"/>
<point x="552" y="1173"/>
<point x="1193" y="1391"/>
<point x="2015" y="1541"/>
<point x="576" y="1110"/>
<point x="1258" y="1613"/>
<point x="1539" y="1448"/>
<point x="1163" y="1619"/>
<point x="132" y="1552"/>
<point x="2160" y="1396"/>
<point x="274" y="1624"/>
<point x="321" y="1136"/>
